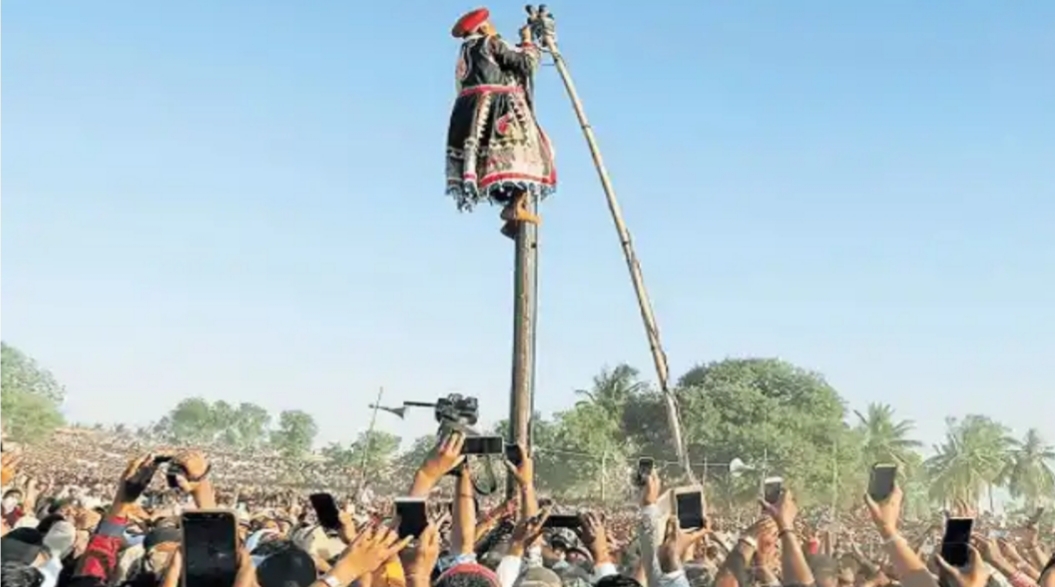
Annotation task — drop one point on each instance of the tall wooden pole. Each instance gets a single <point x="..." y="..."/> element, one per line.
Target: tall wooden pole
<point x="369" y="440"/>
<point x="525" y="305"/>
<point x="542" y="24"/>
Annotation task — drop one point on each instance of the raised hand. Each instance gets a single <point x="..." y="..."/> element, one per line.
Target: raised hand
<point x="524" y="473"/>
<point x="650" y="490"/>
<point x="419" y="560"/>
<point x="886" y="514"/>
<point x="193" y="468"/>
<point x="11" y="461"/>
<point x="370" y="549"/>
<point x="134" y="481"/>
<point x="446" y="456"/>
<point x="784" y="511"/>
<point x="676" y="544"/>
<point x="595" y="536"/>
<point x="528" y="531"/>
<point x="975" y="574"/>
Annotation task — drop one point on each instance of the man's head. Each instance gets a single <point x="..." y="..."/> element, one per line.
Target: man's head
<point x="12" y="499"/>
<point x="540" y="577"/>
<point x="618" y="581"/>
<point x="467" y="575"/>
<point x="25" y="558"/>
<point x="20" y="575"/>
<point x="284" y="565"/>
<point x="476" y="22"/>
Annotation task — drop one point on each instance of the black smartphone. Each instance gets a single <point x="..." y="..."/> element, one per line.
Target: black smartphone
<point x="772" y="488"/>
<point x="571" y="521"/>
<point x="881" y="483"/>
<point x="413" y="516"/>
<point x="163" y="459"/>
<point x="689" y="507"/>
<point x="955" y="542"/>
<point x="210" y="548"/>
<point x="484" y="445"/>
<point x="173" y="471"/>
<point x="514" y="455"/>
<point x="326" y="511"/>
<point x="645" y="467"/>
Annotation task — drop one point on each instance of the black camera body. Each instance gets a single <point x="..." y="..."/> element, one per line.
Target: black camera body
<point x="457" y="409"/>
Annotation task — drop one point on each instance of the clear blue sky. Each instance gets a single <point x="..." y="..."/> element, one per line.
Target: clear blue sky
<point x="244" y="200"/>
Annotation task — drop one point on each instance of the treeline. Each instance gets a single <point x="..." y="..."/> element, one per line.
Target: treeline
<point x="743" y="419"/>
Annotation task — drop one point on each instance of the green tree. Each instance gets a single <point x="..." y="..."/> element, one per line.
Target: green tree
<point x="29" y="397"/>
<point x="557" y="468"/>
<point x="591" y="438"/>
<point x="1028" y="474"/>
<point x="222" y="422"/>
<point x="29" y="418"/>
<point x="197" y="421"/>
<point x="251" y="423"/>
<point x="969" y="461"/>
<point x="376" y="449"/>
<point x="409" y="461"/>
<point x="885" y="439"/>
<point x="295" y="434"/>
<point x="775" y="417"/>
<point x="192" y="421"/>
<point x="20" y="372"/>
<point x="612" y="389"/>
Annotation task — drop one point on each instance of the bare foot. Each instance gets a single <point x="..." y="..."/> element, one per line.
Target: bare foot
<point x="509" y="229"/>
<point x="520" y="211"/>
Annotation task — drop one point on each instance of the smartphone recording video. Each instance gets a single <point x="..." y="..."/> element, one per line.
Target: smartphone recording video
<point x="210" y="555"/>
<point x="326" y="511"/>
<point x="772" y="488"/>
<point x="413" y="516"/>
<point x="570" y="521"/>
<point x="956" y="541"/>
<point x="689" y="508"/>
<point x="514" y="455"/>
<point x="881" y="483"/>
<point x="645" y="467"/>
<point x="483" y="445"/>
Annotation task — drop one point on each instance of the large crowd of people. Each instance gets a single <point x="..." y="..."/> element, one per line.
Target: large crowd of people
<point x="95" y="510"/>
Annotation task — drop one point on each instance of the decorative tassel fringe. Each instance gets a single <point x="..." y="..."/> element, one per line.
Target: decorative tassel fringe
<point x="468" y="194"/>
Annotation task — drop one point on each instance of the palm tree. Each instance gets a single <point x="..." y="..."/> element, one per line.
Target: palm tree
<point x="612" y="389"/>
<point x="969" y="461"/>
<point x="886" y="439"/>
<point x="1029" y="474"/>
<point x="594" y="426"/>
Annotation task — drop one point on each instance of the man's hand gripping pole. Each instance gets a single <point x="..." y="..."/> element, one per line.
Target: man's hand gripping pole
<point x="543" y="26"/>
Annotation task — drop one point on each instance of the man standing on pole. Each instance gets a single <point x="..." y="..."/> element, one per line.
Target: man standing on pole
<point x="496" y="150"/>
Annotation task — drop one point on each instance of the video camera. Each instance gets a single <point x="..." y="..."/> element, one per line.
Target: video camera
<point x="457" y="409"/>
<point x="461" y="413"/>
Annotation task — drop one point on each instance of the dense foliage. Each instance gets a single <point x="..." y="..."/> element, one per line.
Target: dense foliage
<point x="743" y="419"/>
<point x="30" y="397"/>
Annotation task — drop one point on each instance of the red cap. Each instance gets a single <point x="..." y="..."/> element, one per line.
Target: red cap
<point x="468" y="23"/>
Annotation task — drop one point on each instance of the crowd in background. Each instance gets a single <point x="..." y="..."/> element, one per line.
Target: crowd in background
<point x="70" y="519"/>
